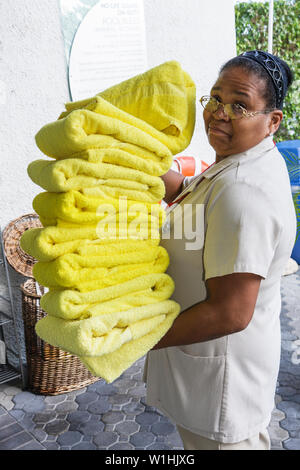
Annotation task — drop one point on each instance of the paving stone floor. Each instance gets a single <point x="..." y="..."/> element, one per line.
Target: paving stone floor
<point x="115" y="416"/>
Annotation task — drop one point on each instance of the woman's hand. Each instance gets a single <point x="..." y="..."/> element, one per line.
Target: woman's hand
<point x="227" y="309"/>
<point x="173" y="184"/>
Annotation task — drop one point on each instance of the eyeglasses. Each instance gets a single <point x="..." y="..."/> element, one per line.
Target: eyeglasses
<point x="233" y="111"/>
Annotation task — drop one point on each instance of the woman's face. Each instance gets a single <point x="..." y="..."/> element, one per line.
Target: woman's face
<point x="229" y="137"/>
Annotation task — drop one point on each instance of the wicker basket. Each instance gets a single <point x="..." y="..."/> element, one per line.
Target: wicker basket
<point x="17" y="258"/>
<point x="51" y="371"/>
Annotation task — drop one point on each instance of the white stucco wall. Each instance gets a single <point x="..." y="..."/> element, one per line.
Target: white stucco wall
<point x="33" y="75"/>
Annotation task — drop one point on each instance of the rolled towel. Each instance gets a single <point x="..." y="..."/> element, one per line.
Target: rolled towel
<point x="47" y="244"/>
<point x="74" y="305"/>
<point x="103" y="334"/>
<point x="86" y="209"/>
<point x="108" y="181"/>
<point x="163" y="97"/>
<point x="111" y="366"/>
<point x="87" y="273"/>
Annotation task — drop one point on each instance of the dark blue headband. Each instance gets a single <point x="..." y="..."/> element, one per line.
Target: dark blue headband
<point x="275" y="70"/>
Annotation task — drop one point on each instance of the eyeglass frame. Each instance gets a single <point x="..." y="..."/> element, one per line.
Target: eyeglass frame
<point x="245" y="112"/>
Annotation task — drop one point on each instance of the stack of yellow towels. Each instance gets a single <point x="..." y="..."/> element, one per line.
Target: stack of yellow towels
<point x="98" y="251"/>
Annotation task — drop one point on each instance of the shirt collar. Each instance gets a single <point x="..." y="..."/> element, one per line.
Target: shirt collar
<point x="233" y="160"/>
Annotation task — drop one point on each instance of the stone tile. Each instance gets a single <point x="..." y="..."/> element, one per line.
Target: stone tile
<point x="122" y="446"/>
<point x="142" y="439"/>
<point x="22" y="398"/>
<point x="51" y="445"/>
<point x="103" y="389"/>
<point x="45" y="417"/>
<point x="39" y="434"/>
<point x="34" y="406"/>
<point x="11" y="391"/>
<point x="10" y="430"/>
<point x="84" y="446"/>
<point x="7" y="402"/>
<point x="99" y="407"/>
<point x="159" y="446"/>
<point x="105" y="439"/>
<point x="56" y="399"/>
<point x="290" y="424"/>
<point x="127" y="427"/>
<point x="69" y="438"/>
<point x="133" y="408"/>
<point x="113" y="417"/>
<point x="161" y="429"/>
<point x="292" y="444"/>
<point x="17" y="414"/>
<point x="291" y="409"/>
<point x="78" y="417"/>
<point x="147" y="418"/>
<point x="32" y="445"/>
<point x="13" y="442"/>
<point x="139" y="391"/>
<point x="87" y="398"/>
<point x="119" y="399"/>
<point x="56" y="427"/>
<point x="91" y="428"/>
<point x="66" y="407"/>
<point x="286" y="391"/>
<point x="6" y="420"/>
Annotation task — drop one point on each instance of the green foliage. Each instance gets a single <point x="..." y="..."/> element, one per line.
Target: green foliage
<point x="252" y="33"/>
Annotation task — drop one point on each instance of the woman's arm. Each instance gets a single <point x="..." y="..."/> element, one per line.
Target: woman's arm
<point x="228" y="309"/>
<point x="173" y="184"/>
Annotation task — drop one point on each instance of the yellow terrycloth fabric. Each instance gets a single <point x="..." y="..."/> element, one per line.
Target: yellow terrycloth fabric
<point x="163" y="97"/>
<point x="127" y="156"/>
<point x="111" y="366"/>
<point x="84" y="129"/>
<point x="95" y="272"/>
<point x="47" y="244"/>
<point x="104" y="334"/>
<point x="74" y="305"/>
<point x="98" y="251"/>
<point x="89" y="208"/>
<point x="109" y="180"/>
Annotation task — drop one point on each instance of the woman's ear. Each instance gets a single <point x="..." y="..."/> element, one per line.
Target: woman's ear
<point x="276" y="118"/>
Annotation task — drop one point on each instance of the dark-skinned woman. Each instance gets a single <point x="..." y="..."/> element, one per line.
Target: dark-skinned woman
<point x="214" y="373"/>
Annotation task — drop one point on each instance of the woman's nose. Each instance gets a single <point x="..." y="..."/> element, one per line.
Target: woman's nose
<point x="221" y="114"/>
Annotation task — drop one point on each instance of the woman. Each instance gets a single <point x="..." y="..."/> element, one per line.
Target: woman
<point x="214" y="373"/>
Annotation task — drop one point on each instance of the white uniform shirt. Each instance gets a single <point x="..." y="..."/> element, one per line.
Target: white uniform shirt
<point x="224" y="389"/>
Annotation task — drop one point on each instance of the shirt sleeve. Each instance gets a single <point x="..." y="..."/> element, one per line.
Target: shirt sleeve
<point x="242" y="233"/>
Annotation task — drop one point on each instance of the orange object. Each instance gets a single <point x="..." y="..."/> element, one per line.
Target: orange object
<point x="186" y="165"/>
<point x="204" y="166"/>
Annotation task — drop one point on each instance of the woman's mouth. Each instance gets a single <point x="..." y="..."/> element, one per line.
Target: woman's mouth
<point x="217" y="131"/>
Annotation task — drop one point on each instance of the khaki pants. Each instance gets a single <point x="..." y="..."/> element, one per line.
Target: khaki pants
<point x="193" y="441"/>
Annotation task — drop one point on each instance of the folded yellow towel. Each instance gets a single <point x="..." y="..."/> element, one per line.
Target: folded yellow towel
<point x="87" y="208"/>
<point x="84" y="129"/>
<point x="47" y="244"/>
<point x="73" y="305"/>
<point x="111" y="366"/>
<point x="103" y="334"/>
<point x="127" y="156"/>
<point x="110" y="181"/>
<point x="163" y="97"/>
<point x="95" y="272"/>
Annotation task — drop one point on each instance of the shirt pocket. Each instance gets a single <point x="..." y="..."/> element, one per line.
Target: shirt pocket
<point x="191" y="389"/>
